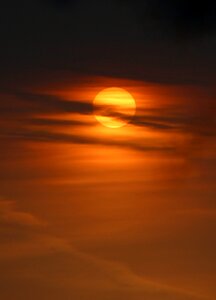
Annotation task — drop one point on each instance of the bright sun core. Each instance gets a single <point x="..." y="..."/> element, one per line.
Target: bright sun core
<point x="114" y="107"/>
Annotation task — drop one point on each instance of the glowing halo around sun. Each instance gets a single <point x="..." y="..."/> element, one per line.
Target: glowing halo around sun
<point x="114" y="107"/>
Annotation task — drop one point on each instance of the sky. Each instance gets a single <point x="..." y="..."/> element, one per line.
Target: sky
<point x="89" y="212"/>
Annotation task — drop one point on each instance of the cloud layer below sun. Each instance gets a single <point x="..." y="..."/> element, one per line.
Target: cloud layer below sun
<point x="127" y="213"/>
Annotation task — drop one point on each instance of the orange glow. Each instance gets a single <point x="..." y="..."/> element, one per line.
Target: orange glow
<point x="103" y="207"/>
<point x="114" y="107"/>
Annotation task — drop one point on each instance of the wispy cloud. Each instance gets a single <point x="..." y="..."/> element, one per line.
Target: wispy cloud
<point x="123" y="277"/>
<point x="9" y="214"/>
<point x="28" y="234"/>
<point x="36" y="104"/>
<point x="38" y="117"/>
<point x="46" y="136"/>
<point x="97" y="272"/>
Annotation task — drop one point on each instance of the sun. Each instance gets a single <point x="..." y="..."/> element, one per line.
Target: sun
<point x="114" y="107"/>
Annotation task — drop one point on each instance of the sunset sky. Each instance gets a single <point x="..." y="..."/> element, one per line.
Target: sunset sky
<point x="90" y="212"/>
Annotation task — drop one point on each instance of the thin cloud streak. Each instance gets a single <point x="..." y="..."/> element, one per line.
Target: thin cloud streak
<point x="10" y="215"/>
<point x="46" y="136"/>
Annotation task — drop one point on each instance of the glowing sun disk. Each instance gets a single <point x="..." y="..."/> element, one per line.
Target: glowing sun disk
<point x="114" y="107"/>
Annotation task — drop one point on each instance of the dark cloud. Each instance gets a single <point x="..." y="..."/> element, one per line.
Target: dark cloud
<point x="56" y="104"/>
<point x="141" y="122"/>
<point x="62" y="3"/>
<point x="56" y="122"/>
<point x="106" y="38"/>
<point x="33" y="104"/>
<point x="30" y="108"/>
<point x="102" y="40"/>
<point x="181" y="17"/>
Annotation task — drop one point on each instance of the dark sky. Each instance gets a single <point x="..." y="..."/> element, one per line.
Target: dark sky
<point x="156" y="40"/>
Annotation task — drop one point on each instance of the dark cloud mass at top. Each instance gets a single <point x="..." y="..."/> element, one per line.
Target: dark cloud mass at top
<point x="148" y="40"/>
<point x="185" y="18"/>
<point x="62" y="3"/>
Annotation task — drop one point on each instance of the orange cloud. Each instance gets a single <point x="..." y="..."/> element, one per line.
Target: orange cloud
<point x="9" y="214"/>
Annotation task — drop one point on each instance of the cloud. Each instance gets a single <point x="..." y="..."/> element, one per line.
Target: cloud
<point x="62" y="3"/>
<point x="198" y="212"/>
<point x="123" y="277"/>
<point x="36" y="245"/>
<point x="31" y="125"/>
<point x="80" y="39"/>
<point x="46" y="136"/>
<point x="26" y="234"/>
<point x="81" y="270"/>
<point x="56" y="122"/>
<point x="64" y="265"/>
<point x="33" y="103"/>
<point x="104" y="274"/>
<point x="181" y="17"/>
<point x="143" y="122"/>
<point x="36" y="104"/>
<point x="10" y="215"/>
